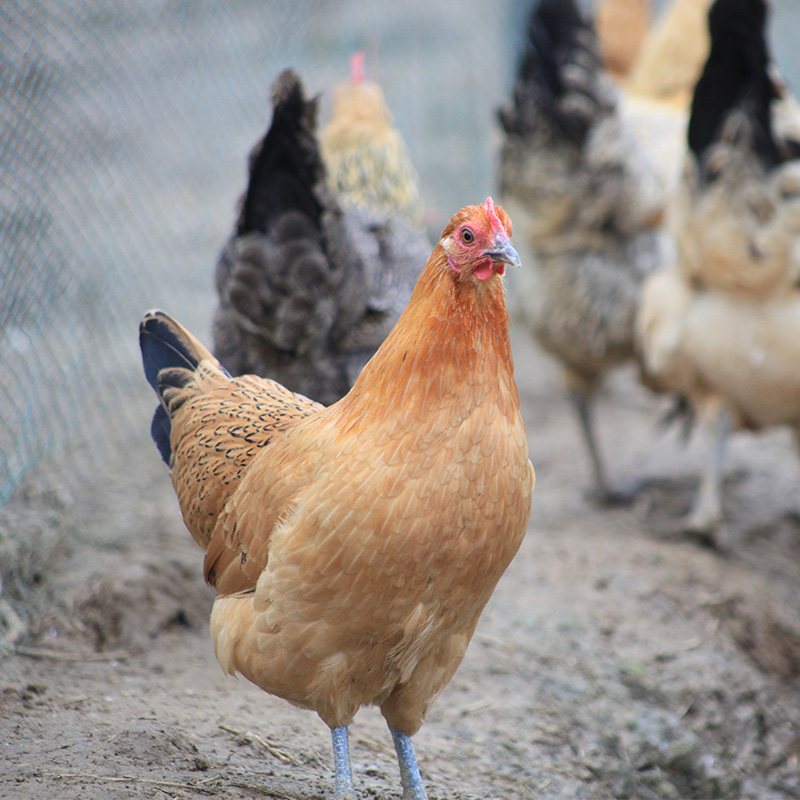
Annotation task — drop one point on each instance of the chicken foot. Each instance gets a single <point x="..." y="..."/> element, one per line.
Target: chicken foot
<point x="343" y="786"/>
<point x="716" y="424"/>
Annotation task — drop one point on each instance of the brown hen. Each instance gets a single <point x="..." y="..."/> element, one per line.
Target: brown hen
<point x="354" y="547"/>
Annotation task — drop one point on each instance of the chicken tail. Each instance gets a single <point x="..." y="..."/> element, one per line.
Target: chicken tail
<point x="170" y="355"/>
<point x="559" y="79"/>
<point x="286" y="165"/>
<point x="733" y="96"/>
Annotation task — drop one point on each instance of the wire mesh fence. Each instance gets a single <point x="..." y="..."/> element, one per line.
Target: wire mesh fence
<point x="124" y="129"/>
<point x="123" y="135"/>
<point x="83" y="220"/>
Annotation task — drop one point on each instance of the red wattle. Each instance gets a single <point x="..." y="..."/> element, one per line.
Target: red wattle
<point x="483" y="271"/>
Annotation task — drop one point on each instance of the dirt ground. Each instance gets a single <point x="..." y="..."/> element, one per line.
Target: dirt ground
<point x="618" y="658"/>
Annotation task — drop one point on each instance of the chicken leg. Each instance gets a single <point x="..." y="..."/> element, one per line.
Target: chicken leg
<point x="343" y="775"/>
<point x="717" y="424"/>
<point x="584" y="408"/>
<point x="582" y="397"/>
<point x="409" y="771"/>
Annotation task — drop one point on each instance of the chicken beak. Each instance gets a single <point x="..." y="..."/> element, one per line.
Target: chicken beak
<point x="504" y="252"/>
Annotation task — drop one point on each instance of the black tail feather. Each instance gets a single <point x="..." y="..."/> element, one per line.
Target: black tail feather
<point x="162" y="347"/>
<point x="735" y="76"/>
<point x="160" y="431"/>
<point x="170" y="359"/>
<point x="557" y="76"/>
<point x="286" y="165"/>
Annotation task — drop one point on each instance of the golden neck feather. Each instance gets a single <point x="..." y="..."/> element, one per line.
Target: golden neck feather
<point x="451" y="345"/>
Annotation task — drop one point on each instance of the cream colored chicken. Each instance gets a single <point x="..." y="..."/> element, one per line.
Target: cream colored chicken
<point x="722" y="327"/>
<point x="656" y="85"/>
<point x="368" y="164"/>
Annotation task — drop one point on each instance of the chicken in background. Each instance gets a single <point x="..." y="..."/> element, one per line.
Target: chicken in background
<point x="354" y="547"/>
<point x="672" y="54"/>
<point x="656" y="88"/>
<point x="587" y="206"/>
<point x="621" y="26"/>
<point x="722" y="327"/>
<point x="308" y="284"/>
<point x="368" y="164"/>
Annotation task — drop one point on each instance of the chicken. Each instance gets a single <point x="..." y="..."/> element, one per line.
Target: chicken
<point x="354" y="547"/>
<point x="722" y="326"/>
<point x="589" y="207"/>
<point x="672" y="54"/>
<point x="368" y="164"/>
<point x="621" y="26"/>
<point x="308" y="286"/>
<point x="656" y="85"/>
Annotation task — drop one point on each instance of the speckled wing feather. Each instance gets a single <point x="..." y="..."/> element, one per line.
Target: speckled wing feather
<point x="216" y="425"/>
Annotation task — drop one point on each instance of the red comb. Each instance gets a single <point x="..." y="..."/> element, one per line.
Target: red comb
<point x="492" y="212"/>
<point x="357" y="67"/>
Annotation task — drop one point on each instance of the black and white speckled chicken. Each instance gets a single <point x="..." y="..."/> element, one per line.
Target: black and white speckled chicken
<point x="587" y="208"/>
<point x="309" y="286"/>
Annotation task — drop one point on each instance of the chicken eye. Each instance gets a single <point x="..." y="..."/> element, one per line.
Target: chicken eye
<point x="467" y="236"/>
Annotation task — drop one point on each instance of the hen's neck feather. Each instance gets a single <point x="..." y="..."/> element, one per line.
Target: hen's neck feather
<point x="450" y="348"/>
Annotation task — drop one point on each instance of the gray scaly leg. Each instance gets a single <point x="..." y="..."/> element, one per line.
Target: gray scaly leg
<point x="409" y="771"/>
<point x="344" y="789"/>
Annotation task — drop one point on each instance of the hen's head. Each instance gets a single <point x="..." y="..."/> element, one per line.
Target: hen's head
<point x="477" y="241"/>
<point x="359" y="101"/>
